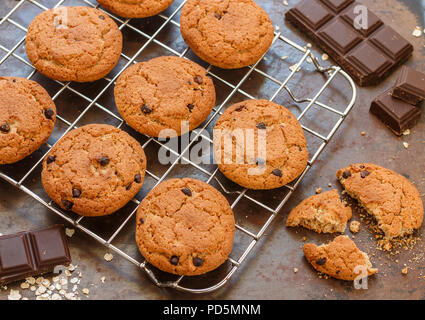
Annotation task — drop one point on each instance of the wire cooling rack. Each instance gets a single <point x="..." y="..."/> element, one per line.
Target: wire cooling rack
<point x="119" y="237"/>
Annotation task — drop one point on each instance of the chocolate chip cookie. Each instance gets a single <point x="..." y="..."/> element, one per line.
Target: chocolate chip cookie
<point x="165" y="96"/>
<point x="94" y="170"/>
<point x="323" y="213"/>
<point x="340" y="259"/>
<point x="73" y="44"/>
<point x="27" y="118"/>
<point x="389" y="197"/>
<point x="185" y="227"/>
<point x="135" y="8"/>
<point x="228" y="34"/>
<point x="259" y="144"/>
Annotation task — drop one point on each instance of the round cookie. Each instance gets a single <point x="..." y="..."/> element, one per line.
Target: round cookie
<point x="27" y="118"/>
<point x="185" y="227"/>
<point x="275" y="152"/>
<point x="135" y="8"/>
<point x="164" y="93"/>
<point x="94" y="170"/>
<point x="392" y="199"/>
<point x="229" y="34"/>
<point x="79" y="44"/>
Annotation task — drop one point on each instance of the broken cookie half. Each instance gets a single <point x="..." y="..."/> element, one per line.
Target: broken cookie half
<point x="323" y="213"/>
<point x="340" y="259"/>
<point x="389" y="197"/>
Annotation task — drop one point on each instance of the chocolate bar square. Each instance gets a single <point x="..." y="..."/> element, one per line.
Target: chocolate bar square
<point x="410" y="86"/>
<point x="390" y="42"/>
<point x="373" y="22"/>
<point x="337" y="5"/>
<point x="339" y="36"/>
<point x="396" y="114"/>
<point x="313" y="14"/>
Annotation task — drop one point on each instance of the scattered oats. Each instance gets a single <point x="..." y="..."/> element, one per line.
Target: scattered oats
<point x="74" y="280"/>
<point x="62" y="292"/>
<point x="74" y="288"/>
<point x="14" y="295"/>
<point x="406" y="133"/>
<point x="404" y="271"/>
<point x="41" y="298"/>
<point x="285" y="3"/>
<point x="309" y="45"/>
<point x="39" y="280"/>
<point x="63" y="281"/>
<point x="417" y="32"/>
<point x="325" y="57"/>
<point x="108" y="257"/>
<point x="318" y="190"/>
<point x="24" y="285"/>
<point x="80" y="275"/>
<point x="284" y="57"/>
<point x="292" y="68"/>
<point x="265" y="58"/>
<point x="406" y="145"/>
<point x="103" y="279"/>
<point x="33" y="288"/>
<point x="86" y="291"/>
<point x="49" y="292"/>
<point x="71" y="267"/>
<point x="330" y="185"/>
<point x="355" y="226"/>
<point x="46" y="282"/>
<point x="69" y="232"/>
<point x="30" y="280"/>
<point x="56" y="279"/>
<point x="4" y="287"/>
<point x="41" y="289"/>
<point x="56" y="296"/>
<point x="67" y="273"/>
<point x="277" y="28"/>
<point x="52" y="287"/>
<point x="24" y="298"/>
<point x="295" y="270"/>
<point x="69" y="295"/>
<point x="309" y="60"/>
<point x="58" y="286"/>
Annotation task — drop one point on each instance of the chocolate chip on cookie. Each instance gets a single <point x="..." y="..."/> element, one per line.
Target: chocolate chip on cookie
<point x="174" y="260"/>
<point x="49" y="113"/>
<point x="5" y="128"/>
<point x="187" y="192"/>
<point x="50" y="159"/>
<point x="76" y="193"/>
<point x="198" y="262"/>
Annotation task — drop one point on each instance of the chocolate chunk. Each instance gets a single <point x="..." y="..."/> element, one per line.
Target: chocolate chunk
<point x="197" y="262"/>
<point x="141" y="221"/>
<point x="174" y="260"/>
<point x="337" y="271"/>
<point x="27" y="254"/>
<point x="277" y="173"/>
<point x="145" y="109"/>
<point x="137" y="178"/>
<point x="128" y="186"/>
<point x="261" y="126"/>
<point x="410" y="86"/>
<point x="190" y="107"/>
<point x="103" y="161"/>
<point x="321" y="261"/>
<point x="395" y="113"/>
<point x="50" y="159"/>
<point x="364" y="174"/>
<point x="198" y="79"/>
<point x="49" y="113"/>
<point x="76" y="193"/>
<point x="346" y="174"/>
<point x="67" y="204"/>
<point x="217" y="15"/>
<point x="240" y="108"/>
<point x="187" y="192"/>
<point x="362" y="167"/>
<point x="368" y="50"/>
<point x="5" y="128"/>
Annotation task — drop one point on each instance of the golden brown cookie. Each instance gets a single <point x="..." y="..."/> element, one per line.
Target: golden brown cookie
<point x="73" y="44"/>
<point x="229" y="34"/>
<point x="275" y="152"/>
<point x="185" y="227"/>
<point x="323" y="213"/>
<point x="94" y="170"/>
<point x="392" y="199"/>
<point x="164" y="93"/>
<point x="27" y="118"/>
<point x="135" y="8"/>
<point x="340" y="259"/>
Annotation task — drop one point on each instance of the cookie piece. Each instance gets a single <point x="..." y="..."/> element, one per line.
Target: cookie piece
<point x="323" y="213"/>
<point x="275" y="152"/>
<point x="79" y="44"/>
<point x="392" y="199"/>
<point x="229" y="34"/>
<point x="27" y="118"/>
<point x="94" y="170"/>
<point x="135" y="8"/>
<point x="164" y="93"/>
<point x="355" y="226"/>
<point x="185" y="227"/>
<point x="340" y="259"/>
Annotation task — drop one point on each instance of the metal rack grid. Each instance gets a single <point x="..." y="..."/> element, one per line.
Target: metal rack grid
<point x="234" y="263"/>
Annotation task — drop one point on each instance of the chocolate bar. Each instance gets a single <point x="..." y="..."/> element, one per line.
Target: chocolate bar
<point x="396" y="114"/>
<point x="27" y="254"/>
<point x="410" y="86"/>
<point x="368" y="49"/>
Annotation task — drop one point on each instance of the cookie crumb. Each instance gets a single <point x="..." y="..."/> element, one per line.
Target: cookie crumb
<point x="325" y="57"/>
<point x="363" y="133"/>
<point x="69" y="232"/>
<point x="406" y="133"/>
<point x="292" y="68"/>
<point x="417" y="32"/>
<point x="285" y="3"/>
<point x="108" y="257"/>
<point x="355" y="226"/>
<point x="295" y="270"/>
<point x="406" y="145"/>
<point x="284" y="58"/>
<point x="404" y="271"/>
<point x="318" y="190"/>
<point x="86" y="291"/>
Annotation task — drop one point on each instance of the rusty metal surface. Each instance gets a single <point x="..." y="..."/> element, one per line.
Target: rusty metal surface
<point x="268" y="273"/>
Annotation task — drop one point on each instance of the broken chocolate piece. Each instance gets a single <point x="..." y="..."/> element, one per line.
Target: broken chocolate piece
<point x="410" y="86"/>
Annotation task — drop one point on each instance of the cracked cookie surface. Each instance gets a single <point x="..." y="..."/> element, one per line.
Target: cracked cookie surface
<point x="388" y="196"/>
<point x="185" y="227"/>
<point x="27" y="118"/>
<point x="163" y="93"/>
<point x="323" y="213"/>
<point x="229" y="34"/>
<point x="94" y="170"/>
<point x="340" y="259"/>
<point x="135" y="8"/>
<point x="79" y="44"/>
<point x="275" y="152"/>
